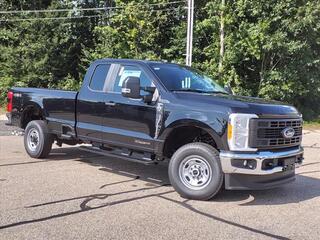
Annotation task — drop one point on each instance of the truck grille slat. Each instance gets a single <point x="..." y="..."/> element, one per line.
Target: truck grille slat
<point x="267" y="133"/>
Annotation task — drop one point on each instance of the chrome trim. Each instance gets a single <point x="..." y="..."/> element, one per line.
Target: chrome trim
<point x="9" y="116"/>
<point x="227" y="156"/>
<point x="110" y="104"/>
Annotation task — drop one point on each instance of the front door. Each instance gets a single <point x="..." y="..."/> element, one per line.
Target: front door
<point x="129" y="122"/>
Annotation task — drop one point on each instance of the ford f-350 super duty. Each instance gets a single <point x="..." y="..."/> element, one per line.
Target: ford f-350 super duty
<point x="147" y="112"/>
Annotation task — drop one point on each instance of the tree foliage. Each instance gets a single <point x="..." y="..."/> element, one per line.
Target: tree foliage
<point x="272" y="48"/>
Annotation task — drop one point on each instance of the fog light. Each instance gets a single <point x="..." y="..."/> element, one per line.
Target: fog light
<point x="244" y="163"/>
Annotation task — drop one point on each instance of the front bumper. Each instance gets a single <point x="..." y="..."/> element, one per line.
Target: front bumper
<point x="260" y="170"/>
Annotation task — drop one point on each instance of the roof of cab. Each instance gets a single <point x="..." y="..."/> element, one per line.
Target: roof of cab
<point x="132" y="61"/>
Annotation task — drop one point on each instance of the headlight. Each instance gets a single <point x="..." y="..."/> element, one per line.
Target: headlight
<point x="238" y="131"/>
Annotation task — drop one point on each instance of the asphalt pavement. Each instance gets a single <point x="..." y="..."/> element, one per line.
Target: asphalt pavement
<point x="79" y="195"/>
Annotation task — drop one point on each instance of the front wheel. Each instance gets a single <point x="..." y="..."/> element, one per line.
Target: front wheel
<point x="195" y="171"/>
<point x="37" y="140"/>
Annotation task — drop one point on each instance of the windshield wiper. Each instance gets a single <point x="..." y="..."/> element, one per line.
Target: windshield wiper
<point x="189" y="90"/>
<point x="219" y="92"/>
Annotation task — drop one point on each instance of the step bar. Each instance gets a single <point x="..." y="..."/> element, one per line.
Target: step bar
<point x="122" y="155"/>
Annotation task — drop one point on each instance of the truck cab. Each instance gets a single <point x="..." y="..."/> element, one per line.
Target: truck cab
<point x="148" y="112"/>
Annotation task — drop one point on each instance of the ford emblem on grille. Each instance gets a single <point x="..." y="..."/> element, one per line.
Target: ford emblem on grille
<point x="288" y="132"/>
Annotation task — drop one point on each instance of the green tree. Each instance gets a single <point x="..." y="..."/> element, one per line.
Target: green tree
<point x="270" y="49"/>
<point x="138" y="30"/>
<point x="44" y="49"/>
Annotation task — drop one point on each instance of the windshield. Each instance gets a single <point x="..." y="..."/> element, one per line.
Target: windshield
<point x="183" y="78"/>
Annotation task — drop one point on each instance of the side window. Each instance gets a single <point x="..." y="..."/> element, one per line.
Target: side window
<point x="131" y="71"/>
<point x="99" y="77"/>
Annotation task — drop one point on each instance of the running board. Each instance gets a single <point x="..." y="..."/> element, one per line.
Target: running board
<point x="66" y="136"/>
<point x="113" y="155"/>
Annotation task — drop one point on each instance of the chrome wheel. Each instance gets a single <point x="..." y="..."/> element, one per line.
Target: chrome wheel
<point x="33" y="139"/>
<point x="195" y="172"/>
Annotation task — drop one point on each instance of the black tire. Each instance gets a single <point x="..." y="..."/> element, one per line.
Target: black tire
<point x="183" y="162"/>
<point x="37" y="148"/>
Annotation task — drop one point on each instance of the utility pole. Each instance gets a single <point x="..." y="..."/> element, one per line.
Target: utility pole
<point x="189" y="32"/>
<point x="223" y="4"/>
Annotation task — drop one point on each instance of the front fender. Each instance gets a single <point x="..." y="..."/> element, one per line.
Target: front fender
<point x="215" y="126"/>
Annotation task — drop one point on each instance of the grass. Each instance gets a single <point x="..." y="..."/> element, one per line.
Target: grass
<point x="2" y="110"/>
<point x="312" y="125"/>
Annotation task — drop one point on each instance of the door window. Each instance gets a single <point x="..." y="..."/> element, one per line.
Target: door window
<point x="131" y="71"/>
<point x="99" y="77"/>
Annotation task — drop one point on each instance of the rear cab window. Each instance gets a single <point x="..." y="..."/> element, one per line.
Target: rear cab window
<point x="99" y="77"/>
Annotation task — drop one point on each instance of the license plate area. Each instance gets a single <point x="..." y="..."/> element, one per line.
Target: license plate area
<point x="287" y="163"/>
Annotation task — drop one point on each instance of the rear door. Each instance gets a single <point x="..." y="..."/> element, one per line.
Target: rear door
<point x="90" y="104"/>
<point x="129" y="122"/>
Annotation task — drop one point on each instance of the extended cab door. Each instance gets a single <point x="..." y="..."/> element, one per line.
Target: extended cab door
<point x="129" y="122"/>
<point x="90" y="104"/>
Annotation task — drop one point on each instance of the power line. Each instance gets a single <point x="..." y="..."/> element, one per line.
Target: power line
<point x="87" y="9"/>
<point x="49" y="18"/>
<point x="74" y="17"/>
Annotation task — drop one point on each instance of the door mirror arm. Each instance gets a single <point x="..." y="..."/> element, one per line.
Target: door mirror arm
<point x="147" y="98"/>
<point x="149" y="89"/>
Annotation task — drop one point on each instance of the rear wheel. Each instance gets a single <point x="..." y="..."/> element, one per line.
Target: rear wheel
<point x="37" y="139"/>
<point x="195" y="171"/>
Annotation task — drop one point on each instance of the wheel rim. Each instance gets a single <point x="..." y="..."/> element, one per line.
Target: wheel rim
<point x="33" y="139"/>
<point x="195" y="172"/>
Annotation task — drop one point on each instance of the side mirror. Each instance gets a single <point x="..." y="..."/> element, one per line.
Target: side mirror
<point x="131" y="87"/>
<point x="228" y="89"/>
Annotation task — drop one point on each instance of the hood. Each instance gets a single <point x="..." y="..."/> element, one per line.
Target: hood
<point x="241" y="104"/>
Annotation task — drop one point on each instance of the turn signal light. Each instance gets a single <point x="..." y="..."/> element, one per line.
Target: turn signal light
<point x="229" y="131"/>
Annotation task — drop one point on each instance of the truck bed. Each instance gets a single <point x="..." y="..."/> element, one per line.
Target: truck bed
<point x="59" y="105"/>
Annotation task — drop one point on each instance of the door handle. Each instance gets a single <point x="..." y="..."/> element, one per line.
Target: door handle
<point x="110" y="103"/>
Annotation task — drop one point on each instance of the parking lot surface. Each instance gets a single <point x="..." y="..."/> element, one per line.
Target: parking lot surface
<point x="79" y="195"/>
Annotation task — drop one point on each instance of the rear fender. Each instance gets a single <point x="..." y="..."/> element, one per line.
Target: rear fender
<point x="31" y="106"/>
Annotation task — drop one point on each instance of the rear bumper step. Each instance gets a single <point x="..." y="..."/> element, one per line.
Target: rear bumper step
<point x="9" y="121"/>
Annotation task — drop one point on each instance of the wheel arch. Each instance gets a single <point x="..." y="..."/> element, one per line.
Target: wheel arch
<point x="31" y="111"/>
<point x="168" y="134"/>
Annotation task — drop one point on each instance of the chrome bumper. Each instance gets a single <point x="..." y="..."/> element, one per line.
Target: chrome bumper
<point x="226" y="158"/>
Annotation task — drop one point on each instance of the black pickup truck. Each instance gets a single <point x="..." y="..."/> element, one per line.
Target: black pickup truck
<point x="147" y="112"/>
